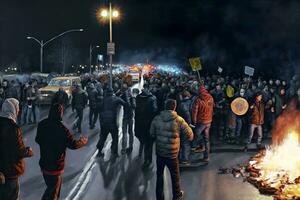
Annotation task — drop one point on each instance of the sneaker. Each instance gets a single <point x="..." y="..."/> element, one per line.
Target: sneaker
<point x="180" y="196"/>
<point x="205" y="159"/>
<point x="100" y="155"/>
<point x="199" y="149"/>
<point x="184" y="163"/>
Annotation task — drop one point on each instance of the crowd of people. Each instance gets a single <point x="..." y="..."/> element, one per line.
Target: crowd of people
<point x="179" y="113"/>
<point x="27" y="94"/>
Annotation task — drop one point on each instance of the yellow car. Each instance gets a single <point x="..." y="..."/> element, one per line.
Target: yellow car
<point x="67" y="83"/>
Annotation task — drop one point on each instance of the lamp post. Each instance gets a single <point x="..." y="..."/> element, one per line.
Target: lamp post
<point x="42" y="43"/>
<point x="91" y="51"/>
<point x="110" y="13"/>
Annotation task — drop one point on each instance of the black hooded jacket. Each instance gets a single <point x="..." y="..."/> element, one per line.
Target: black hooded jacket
<point x="53" y="138"/>
<point x="109" y="111"/>
<point x="146" y="109"/>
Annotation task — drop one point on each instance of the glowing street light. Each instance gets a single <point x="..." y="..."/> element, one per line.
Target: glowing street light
<point x="110" y="14"/>
<point x="115" y="13"/>
<point x="104" y="13"/>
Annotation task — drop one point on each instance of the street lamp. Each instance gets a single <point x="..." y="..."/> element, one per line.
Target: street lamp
<point x="91" y="51"/>
<point x="110" y="14"/>
<point x="42" y="43"/>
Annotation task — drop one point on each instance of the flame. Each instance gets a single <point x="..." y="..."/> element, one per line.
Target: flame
<point x="283" y="158"/>
<point x="277" y="169"/>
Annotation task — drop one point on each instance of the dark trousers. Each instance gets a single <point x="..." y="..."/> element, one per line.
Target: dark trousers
<point x="173" y="166"/>
<point x="103" y="136"/>
<point x="53" y="184"/>
<point x="10" y="190"/>
<point x="79" y="112"/>
<point x="93" y="116"/>
<point x="148" y="151"/>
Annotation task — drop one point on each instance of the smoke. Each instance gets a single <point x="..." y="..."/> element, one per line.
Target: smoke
<point x="287" y="123"/>
<point x="158" y="55"/>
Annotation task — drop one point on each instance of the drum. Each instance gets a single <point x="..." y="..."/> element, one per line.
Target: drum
<point x="239" y="106"/>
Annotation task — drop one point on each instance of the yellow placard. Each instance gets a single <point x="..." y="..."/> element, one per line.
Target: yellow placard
<point x="229" y="91"/>
<point x="195" y="63"/>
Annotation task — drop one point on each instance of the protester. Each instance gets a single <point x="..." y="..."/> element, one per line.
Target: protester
<point x="256" y="120"/>
<point x="93" y="114"/>
<point x="12" y="150"/>
<point x="61" y="97"/>
<point x="202" y="118"/>
<point x="79" y="102"/>
<point x="128" y="119"/>
<point x="32" y="100"/>
<point x="54" y="138"/>
<point x="108" y="122"/>
<point x="184" y="110"/>
<point x="167" y="129"/>
<point x="146" y="109"/>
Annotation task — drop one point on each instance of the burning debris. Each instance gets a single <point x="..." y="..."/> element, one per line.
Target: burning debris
<point x="276" y="170"/>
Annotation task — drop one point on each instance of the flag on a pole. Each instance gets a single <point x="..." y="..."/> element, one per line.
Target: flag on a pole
<point x="195" y="63"/>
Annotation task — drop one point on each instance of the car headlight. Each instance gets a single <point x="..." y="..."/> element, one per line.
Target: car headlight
<point x="45" y="95"/>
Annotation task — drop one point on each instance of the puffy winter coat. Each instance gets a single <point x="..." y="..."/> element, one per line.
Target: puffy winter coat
<point x="79" y="99"/>
<point x="202" y="111"/>
<point x="167" y="128"/>
<point x="257" y="114"/>
<point x="110" y="108"/>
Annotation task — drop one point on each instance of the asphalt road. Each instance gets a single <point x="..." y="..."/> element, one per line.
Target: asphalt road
<point x="90" y="178"/>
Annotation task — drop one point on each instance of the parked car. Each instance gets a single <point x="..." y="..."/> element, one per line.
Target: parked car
<point x="67" y="83"/>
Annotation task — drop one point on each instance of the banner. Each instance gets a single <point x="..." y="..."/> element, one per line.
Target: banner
<point x="195" y="63"/>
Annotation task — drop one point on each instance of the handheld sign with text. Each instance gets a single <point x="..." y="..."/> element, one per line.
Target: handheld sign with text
<point x="195" y="63"/>
<point x="220" y="70"/>
<point x="249" y="71"/>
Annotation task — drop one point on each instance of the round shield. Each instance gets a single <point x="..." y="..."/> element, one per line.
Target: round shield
<point x="239" y="106"/>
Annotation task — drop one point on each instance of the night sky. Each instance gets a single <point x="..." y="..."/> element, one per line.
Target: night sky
<point x="231" y="34"/>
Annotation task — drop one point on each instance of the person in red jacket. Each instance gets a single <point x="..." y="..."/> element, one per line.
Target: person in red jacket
<point x="54" y="138"/>
<point x="202" y="113"/>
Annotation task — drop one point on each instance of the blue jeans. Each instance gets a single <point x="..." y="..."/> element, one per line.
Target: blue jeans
<point x="127" y="129"/>
<point x="24" y="113"/>
<point x="185" y="147"/>
<point x="238" y="128"/>
<point x="202" y="130"/>
<point x="251" y="132"/>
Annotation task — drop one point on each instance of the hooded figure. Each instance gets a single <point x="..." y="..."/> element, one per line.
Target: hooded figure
<point x="54" y="138"/>
<point x="202" y="118"/>
<point x="12" y="150"/>
<point x="10" y="109"/>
